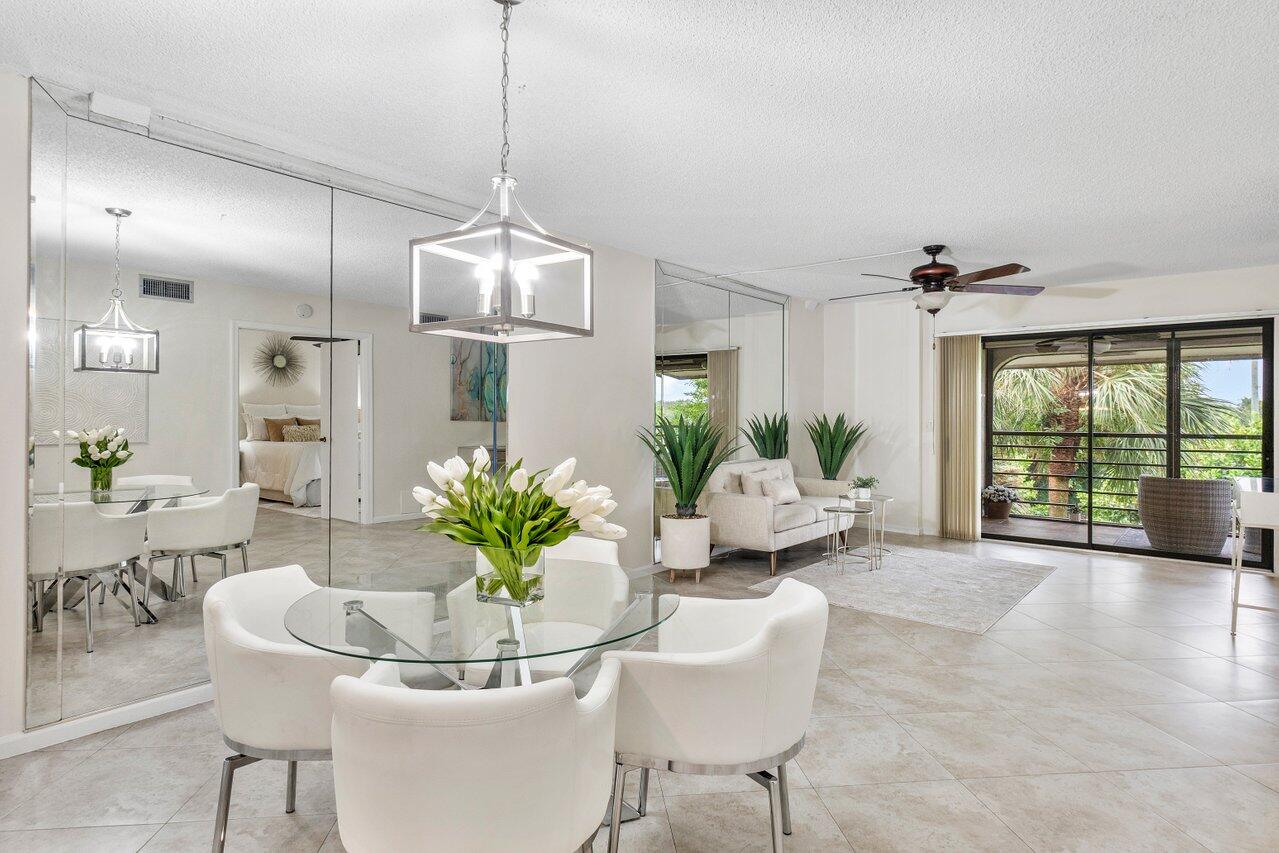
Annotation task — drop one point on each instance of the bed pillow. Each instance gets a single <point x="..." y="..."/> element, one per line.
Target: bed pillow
<point x="782" y="490"/>
<point x="753" y="481"/>
<point x="275" y="427"/>
<point x="265" y="410"/>
<point x="254" y="428"/>
<point x="308" y="432"/>
<point x="301" y="411"/>
<point x="315" y="422"/>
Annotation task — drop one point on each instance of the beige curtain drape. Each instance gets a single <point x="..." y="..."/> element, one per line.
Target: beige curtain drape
<point x="959" y="415"/>
<point x="721" y="389"/>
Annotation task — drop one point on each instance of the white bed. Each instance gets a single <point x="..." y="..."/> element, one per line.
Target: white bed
<point x="284" y="470"/>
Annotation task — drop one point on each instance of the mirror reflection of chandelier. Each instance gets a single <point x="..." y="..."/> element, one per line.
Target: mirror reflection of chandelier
<point x="115" y="344"/>
<point x="501" y="281"/>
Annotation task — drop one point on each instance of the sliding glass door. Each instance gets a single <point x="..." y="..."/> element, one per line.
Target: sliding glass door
<point x="1098" y="431"/>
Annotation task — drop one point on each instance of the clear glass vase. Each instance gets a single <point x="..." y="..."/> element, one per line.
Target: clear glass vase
<point x="100" y="479"/>
<point x="509" y="576"/>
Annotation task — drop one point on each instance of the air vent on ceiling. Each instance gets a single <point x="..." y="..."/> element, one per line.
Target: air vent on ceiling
<point x="424" y="317"/>
<point x="173" y="289"/>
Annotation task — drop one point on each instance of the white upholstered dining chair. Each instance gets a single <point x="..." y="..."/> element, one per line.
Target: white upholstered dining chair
<point x="729" y="691"/>
<point x="203" y="527"/>
<point x="270" y="691"/>
<point x="74" y="541"/>
<point x="520" y="768"/>
<point x="586" y="548"/>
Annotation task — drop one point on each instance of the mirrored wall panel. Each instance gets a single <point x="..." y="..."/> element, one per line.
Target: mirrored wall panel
<point x="720" y="352"/>
<point x="222" y="379"/>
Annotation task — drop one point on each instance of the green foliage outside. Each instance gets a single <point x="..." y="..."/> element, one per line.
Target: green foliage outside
<point x="1051" y="470"/>
<point x="697" y="404"/>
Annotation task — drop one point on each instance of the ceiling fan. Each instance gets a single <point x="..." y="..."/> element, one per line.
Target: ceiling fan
<point x="937" y="282"/>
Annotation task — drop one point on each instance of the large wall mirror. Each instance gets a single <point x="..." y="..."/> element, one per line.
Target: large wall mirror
<point x="282" y="415"/>
<point x="720" y="352"/>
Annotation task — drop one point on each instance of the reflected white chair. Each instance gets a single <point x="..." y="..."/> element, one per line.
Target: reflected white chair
<point x="270" y="691"/>
<point x="74" y="541"/>
<point x="207" y="527"/>
<point x="729" y="691"/>
<point x="582" y="600"/>
<point x="523" y="768"/>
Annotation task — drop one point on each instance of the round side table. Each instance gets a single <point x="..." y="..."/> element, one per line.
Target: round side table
<point x="837" y="553"/>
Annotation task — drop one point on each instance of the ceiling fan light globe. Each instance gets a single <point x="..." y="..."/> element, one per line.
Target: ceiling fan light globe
<point x="932" y="301"/>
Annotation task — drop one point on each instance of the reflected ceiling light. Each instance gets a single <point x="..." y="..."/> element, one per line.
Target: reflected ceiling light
<point x="501" y="281"/>
<point x="115" y="344"/>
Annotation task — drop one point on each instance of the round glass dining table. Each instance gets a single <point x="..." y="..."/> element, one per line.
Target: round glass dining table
<point x="426" y="617"/>
<point x="140" y="497"/>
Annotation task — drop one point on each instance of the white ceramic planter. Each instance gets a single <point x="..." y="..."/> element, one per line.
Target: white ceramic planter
<point x="686" y="542"/>
<point x="862" y="494"/>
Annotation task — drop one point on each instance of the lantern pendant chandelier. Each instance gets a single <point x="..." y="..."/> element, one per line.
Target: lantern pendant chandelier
<point x="115" y="344"/>
<point x="501" y="281"/>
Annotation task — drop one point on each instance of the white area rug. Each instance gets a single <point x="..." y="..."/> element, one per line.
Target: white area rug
<point x="923" y="585"/>
<point x="306" y="511"/>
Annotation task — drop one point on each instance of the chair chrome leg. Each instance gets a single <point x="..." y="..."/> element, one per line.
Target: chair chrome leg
<point x="775" y="815"/>
<point x="88" y="615"/>
<point x="641" y="804"/>
<point x="244" y="555"/>
<point x="222" y="557"/>
<point x="784" y="786"/>
<point x="194" y="579"/>
<point x="146" y="585"/>
<point x="229" y="766"/>
<point x="133" y="592"/>
<point x="615" y="812"/>
<point x="291" y="788"/>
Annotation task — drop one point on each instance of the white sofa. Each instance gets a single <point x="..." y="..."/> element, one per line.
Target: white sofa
<point x="758" y="523"/>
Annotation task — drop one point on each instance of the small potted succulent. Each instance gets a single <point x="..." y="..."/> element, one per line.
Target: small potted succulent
<point x="997" y="501"/>
<point x="862" y="487"/>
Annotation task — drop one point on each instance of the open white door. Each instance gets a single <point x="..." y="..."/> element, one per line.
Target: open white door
<point x="343" y="425"/>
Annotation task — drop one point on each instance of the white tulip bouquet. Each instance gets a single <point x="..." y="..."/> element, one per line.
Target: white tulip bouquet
<point x="100" y="451"/>
<point x="512" y="515"/>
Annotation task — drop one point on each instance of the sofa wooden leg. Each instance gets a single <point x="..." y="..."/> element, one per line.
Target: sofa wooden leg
<point x="670" y="576"/>
<point x="697" y="575"/>
<point x="772" y="563"/>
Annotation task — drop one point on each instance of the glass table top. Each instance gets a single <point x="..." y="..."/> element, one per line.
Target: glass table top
<point x="428" y="613"/>
<point x="120" y="495"/>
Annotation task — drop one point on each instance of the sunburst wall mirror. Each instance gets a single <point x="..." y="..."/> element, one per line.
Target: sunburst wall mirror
<point x="279" y="361"/>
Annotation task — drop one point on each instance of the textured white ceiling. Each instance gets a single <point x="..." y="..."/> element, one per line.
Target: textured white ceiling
<point x="1088" y="139"/>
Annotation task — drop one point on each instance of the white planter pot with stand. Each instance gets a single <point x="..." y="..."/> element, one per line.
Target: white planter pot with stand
<point x="686" y="544"/>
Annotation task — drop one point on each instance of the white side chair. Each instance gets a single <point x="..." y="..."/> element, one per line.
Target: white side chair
<point x="729" y="691"/>
<point x="586" y="548"/>
<point x="73" y="541"/>
<point x="523" y="768"/>
<point x="208" y="528"/>
<point x="270" y="691"/>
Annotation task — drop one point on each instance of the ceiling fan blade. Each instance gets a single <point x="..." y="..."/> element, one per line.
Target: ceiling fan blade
<point x="1010" y="289"/>
<point x="877" y="275"/>
<point x="983" y="275"/>
<point x="876" y="293"/>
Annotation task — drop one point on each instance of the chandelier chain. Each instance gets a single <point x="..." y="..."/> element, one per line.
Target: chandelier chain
<point x="506" y="80"/>
<point x="115" y="291"/>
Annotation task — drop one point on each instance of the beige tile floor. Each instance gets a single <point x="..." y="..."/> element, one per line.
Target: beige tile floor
<point x="1110" y="710"/>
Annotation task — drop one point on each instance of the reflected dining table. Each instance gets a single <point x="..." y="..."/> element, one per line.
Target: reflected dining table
<point x="124" y="500"/>
<point x="426" y="617"/>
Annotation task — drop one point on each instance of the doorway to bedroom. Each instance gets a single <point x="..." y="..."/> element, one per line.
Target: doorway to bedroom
<point x="302" y="420"/>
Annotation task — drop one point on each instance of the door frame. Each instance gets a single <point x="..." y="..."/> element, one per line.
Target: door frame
<point x="366" y="394"/>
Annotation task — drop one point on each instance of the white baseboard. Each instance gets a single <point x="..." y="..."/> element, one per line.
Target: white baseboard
<point x="56" y="733"/>
<point x="406" y="516"/>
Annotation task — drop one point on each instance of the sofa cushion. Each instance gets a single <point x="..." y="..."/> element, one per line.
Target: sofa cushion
<point x="789" y="516"/>
<point x="726" y="478"/>
<point x="820" y="503"/>
<point x="782" y="490"/>
<point x="753" y="482"/>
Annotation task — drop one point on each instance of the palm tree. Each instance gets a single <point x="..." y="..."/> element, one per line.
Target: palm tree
<point x="1128" y="399"/>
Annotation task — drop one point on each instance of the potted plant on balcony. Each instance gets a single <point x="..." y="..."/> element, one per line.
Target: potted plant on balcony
<point x="834" y="441"/>
<point x="997" y="501"/>
<point x="769" y="435"/>
<point x="688" y="450"/>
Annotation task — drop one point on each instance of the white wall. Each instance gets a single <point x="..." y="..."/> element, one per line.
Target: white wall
<point x="254" y="388"/>
<point x="879" y="363"/>
<point x="805" y="380"/>
<point x="586" y="397"/>
<point x="14" y="217"/>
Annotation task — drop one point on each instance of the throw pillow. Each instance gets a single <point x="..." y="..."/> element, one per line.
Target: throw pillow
<point x="315" y="422"/>
<point x="309" y="432"/>
<point x="275" y="427"/>
<point x="254" y="428"/>
<point x="753" y="482"/>
<point x="782" y="491"/>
